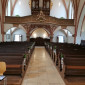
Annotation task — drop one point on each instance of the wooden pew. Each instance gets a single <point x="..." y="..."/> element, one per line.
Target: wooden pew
<point x="73" y="50"/>
<point x="15" y="64"/>
<point x="74" y="65"/>
<point x="12" y="53"/>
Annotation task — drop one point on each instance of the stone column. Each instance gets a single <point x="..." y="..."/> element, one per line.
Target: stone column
<point x="51" y="38"/>
<point x="28" y="37"/>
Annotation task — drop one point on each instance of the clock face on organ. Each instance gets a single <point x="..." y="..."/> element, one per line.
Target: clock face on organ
<point x="40" y="5"/>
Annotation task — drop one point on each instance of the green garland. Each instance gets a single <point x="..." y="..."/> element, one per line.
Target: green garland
<point x="62" y="56"/>
<point x="54" y="47"/>
<point x="25" y="56"/>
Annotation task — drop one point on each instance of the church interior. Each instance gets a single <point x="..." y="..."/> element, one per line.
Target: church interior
<point x="42" y="42"/>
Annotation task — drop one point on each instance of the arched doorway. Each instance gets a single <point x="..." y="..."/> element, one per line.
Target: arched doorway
<point x="39" y="35"/>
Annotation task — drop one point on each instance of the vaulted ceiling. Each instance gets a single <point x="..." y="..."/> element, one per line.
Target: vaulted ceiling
<point x="13" y="3"/>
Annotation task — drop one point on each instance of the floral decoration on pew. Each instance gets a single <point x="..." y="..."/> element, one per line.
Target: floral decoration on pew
<point x="29" y="47"/>
<point x="54" y="48"/>
<point x="61" y="55"/>
<point x="25" y="55"/>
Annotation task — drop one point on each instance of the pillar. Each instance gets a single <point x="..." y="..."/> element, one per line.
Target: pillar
<point x="51" y="38"/>
<point x="76" y="10"/>
<point x="28" y="37"/>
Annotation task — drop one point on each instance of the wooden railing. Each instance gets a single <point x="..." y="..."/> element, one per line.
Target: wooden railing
<point x="33" y="19"/>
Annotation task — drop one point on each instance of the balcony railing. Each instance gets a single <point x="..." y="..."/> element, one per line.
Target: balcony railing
<point x="37" y="19"/>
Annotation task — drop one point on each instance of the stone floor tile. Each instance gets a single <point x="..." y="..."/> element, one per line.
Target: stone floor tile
<point x="41" y="70"/>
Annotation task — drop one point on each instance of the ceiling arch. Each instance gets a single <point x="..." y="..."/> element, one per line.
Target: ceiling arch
<point x="31" y="31"/>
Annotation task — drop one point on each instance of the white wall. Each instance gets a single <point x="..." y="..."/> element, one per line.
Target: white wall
<point x="71" y="29"/>
<point x="83" y="36"/>
<point x="80" y="17"/>
<point x="7" y="27"/>
<point x="80" y="8"/>
<point x="0" y="33"/>
<point x="0" y="22"/>
<point x="0" y="8"/>
<point x="39" y="33"/>
<point x="21" y="32"/>
<point x="8" y="33"/>
<point x="9" y="8"/>
<point x="70" y="11"/>
<point x="70" y="39"/>
<point x="83" y="31"/>
<point x="58" y="11"/>
<point x="57" y="33"/>
<point x="22" y="8"/>
<point x="78" y="38"/>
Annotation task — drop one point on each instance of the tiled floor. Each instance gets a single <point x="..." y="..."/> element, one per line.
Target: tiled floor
<point x="41" y="70"/>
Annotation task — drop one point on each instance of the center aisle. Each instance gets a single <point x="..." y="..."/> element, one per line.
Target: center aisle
<point x="41" y="70"/>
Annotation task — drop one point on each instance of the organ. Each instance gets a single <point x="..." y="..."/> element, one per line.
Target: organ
<point x="40" y="5"/>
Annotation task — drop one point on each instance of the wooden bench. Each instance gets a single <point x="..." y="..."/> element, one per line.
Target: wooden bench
<point x="13" y="54"/>
<point x="74" y="65"/>
<point x="15" y="64"/>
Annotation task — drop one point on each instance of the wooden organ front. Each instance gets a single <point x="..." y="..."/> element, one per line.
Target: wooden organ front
<point x="40" y="5"/>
